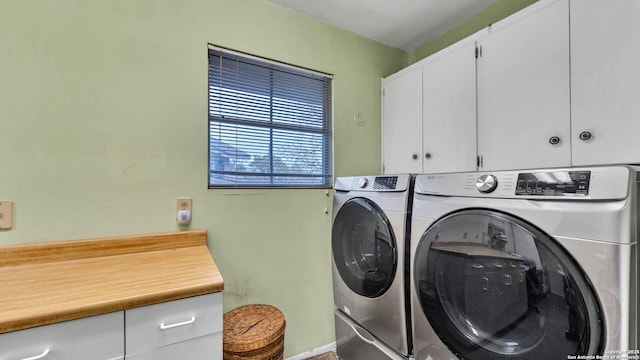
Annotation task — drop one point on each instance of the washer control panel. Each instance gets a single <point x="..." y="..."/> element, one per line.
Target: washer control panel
<point x="553" y="183"/>
<point x="486" y="183"/>
<point x="581" y="184"/>
<point x="380" y="183"/>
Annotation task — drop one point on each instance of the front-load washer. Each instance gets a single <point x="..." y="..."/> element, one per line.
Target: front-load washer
<point x="370" y="279"/>
<point x="526" y="265"/>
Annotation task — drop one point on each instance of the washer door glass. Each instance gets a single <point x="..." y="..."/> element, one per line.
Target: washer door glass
<point x="364" y="248"/>
<point x="495" y="287"/>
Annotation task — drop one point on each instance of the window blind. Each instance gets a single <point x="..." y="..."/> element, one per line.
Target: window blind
<point x="269" y="123"/>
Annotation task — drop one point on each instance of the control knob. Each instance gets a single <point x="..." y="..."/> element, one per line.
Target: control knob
<point x="363" y="183"/>
<point x="486" y="183"/>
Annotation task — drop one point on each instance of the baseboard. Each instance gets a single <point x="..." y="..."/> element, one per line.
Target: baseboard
<point x="315" y="352"/>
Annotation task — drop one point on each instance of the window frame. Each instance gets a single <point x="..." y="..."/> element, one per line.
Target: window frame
<point x="325" y="132"/>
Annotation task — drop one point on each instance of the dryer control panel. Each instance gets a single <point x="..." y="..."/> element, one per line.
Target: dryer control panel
<point x="553" y="183"/>
<point x="385" y="182"/>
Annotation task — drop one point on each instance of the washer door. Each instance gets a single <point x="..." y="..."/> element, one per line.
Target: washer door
<point x="364" y="247"/>
<point x="495" y="287"/>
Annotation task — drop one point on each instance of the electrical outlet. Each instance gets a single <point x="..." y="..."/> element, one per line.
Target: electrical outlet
<point x="183" y="204"/>
<point x="183" y="211"/>
<point x="6" y="214"/>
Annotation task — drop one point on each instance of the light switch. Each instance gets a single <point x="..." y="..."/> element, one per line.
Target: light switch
<point x="6" y="214"/>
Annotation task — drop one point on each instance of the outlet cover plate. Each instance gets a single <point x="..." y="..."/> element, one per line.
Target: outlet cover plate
<point x="6" y="214"/>
<point x="183" y="203"/>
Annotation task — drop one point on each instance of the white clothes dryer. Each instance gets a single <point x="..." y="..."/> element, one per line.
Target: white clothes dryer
<point x="370" y="276"/>
<point x="525" y="265"/>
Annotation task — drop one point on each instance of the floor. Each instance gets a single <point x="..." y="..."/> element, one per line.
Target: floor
<point x="326" y="356"/>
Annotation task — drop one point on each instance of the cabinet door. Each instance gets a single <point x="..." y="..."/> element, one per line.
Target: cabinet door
<point x="173" y="322"/>
<point x="402" y="122"/>
<point x="523" y="90"/>
<point x="449" y="109"/>
<point x="97" y="338"/>
<point x="207" y="347"/>
<point x="605" y="81"/>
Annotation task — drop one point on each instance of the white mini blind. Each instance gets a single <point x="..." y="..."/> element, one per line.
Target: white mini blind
<point x="269" y="123"/>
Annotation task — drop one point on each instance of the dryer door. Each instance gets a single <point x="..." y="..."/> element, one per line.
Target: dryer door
<point x="493" y="286"/>
<point x="364" y="247"/>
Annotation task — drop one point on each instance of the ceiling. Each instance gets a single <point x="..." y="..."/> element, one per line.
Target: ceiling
<point x="403" y="24"/>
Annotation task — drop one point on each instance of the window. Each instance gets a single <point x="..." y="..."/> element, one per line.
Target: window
<point x="269" y="123"/>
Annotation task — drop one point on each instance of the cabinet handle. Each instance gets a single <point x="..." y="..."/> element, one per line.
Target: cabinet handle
<point x="585" y="135"/>
<point x="427" y="156"/>
<point x="41" y="356"/>
<point x="507" y="279"/>
<point x="554" y="140"/>
<point x="414" y="156"/>
<point x="171" y="326"/>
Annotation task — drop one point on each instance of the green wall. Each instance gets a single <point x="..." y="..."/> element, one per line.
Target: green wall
<point x="492" y="14"/>
<point x="103" y="124"/>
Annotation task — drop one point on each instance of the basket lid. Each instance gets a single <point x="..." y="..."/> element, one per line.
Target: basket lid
<point x="252" y="327"/>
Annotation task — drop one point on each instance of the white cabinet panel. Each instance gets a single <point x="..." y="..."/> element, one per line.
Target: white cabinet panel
<point x="605" y="81"/>
<point x="402" y="122"/>
<point x="172" y="322"/>
<point x="200" y="348"/>
<point x="96" y="338"/>
<point x="449" y="110"/>
<point x="523" y="90"/>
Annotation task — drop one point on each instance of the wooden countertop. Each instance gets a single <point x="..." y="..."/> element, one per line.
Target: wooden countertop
<point x="45" y="283"/>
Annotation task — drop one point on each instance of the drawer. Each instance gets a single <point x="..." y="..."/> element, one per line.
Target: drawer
<point x="98" y="338"/>
<point x="208" y="347"/>
<point x="172" y="322"/>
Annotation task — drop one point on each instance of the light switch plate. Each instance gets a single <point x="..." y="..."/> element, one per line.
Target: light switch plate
<point x="6" y="214"/>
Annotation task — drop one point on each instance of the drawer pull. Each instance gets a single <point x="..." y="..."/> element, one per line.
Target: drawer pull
<point x="41" y="356"/>
<point x="171" y="326"/>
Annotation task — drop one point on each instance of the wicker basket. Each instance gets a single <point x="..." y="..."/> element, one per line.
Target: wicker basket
<point x="253" y="332"/>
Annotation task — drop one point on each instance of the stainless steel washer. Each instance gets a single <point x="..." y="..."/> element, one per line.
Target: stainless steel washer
<point x="525" y="265"/>
<point x="370" y="281"/>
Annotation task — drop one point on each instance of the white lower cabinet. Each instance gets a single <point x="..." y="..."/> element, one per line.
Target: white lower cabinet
<point x="97" y="338"/>
<point x="186" y="329"/>
<point x="191" y="327"/>
<point x="208" y="347"/>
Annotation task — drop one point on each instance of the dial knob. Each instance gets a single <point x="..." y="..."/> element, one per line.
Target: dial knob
<point x="486" y="183"/>
<point x="363" y="183"/>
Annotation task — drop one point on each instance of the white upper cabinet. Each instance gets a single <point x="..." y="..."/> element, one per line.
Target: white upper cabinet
<point x="605" y="81"/>
<point x="449" y="110"/>
<point x="402" y="122"/>
<point x="524" y="91"/>
<point x="554" y="85"/>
